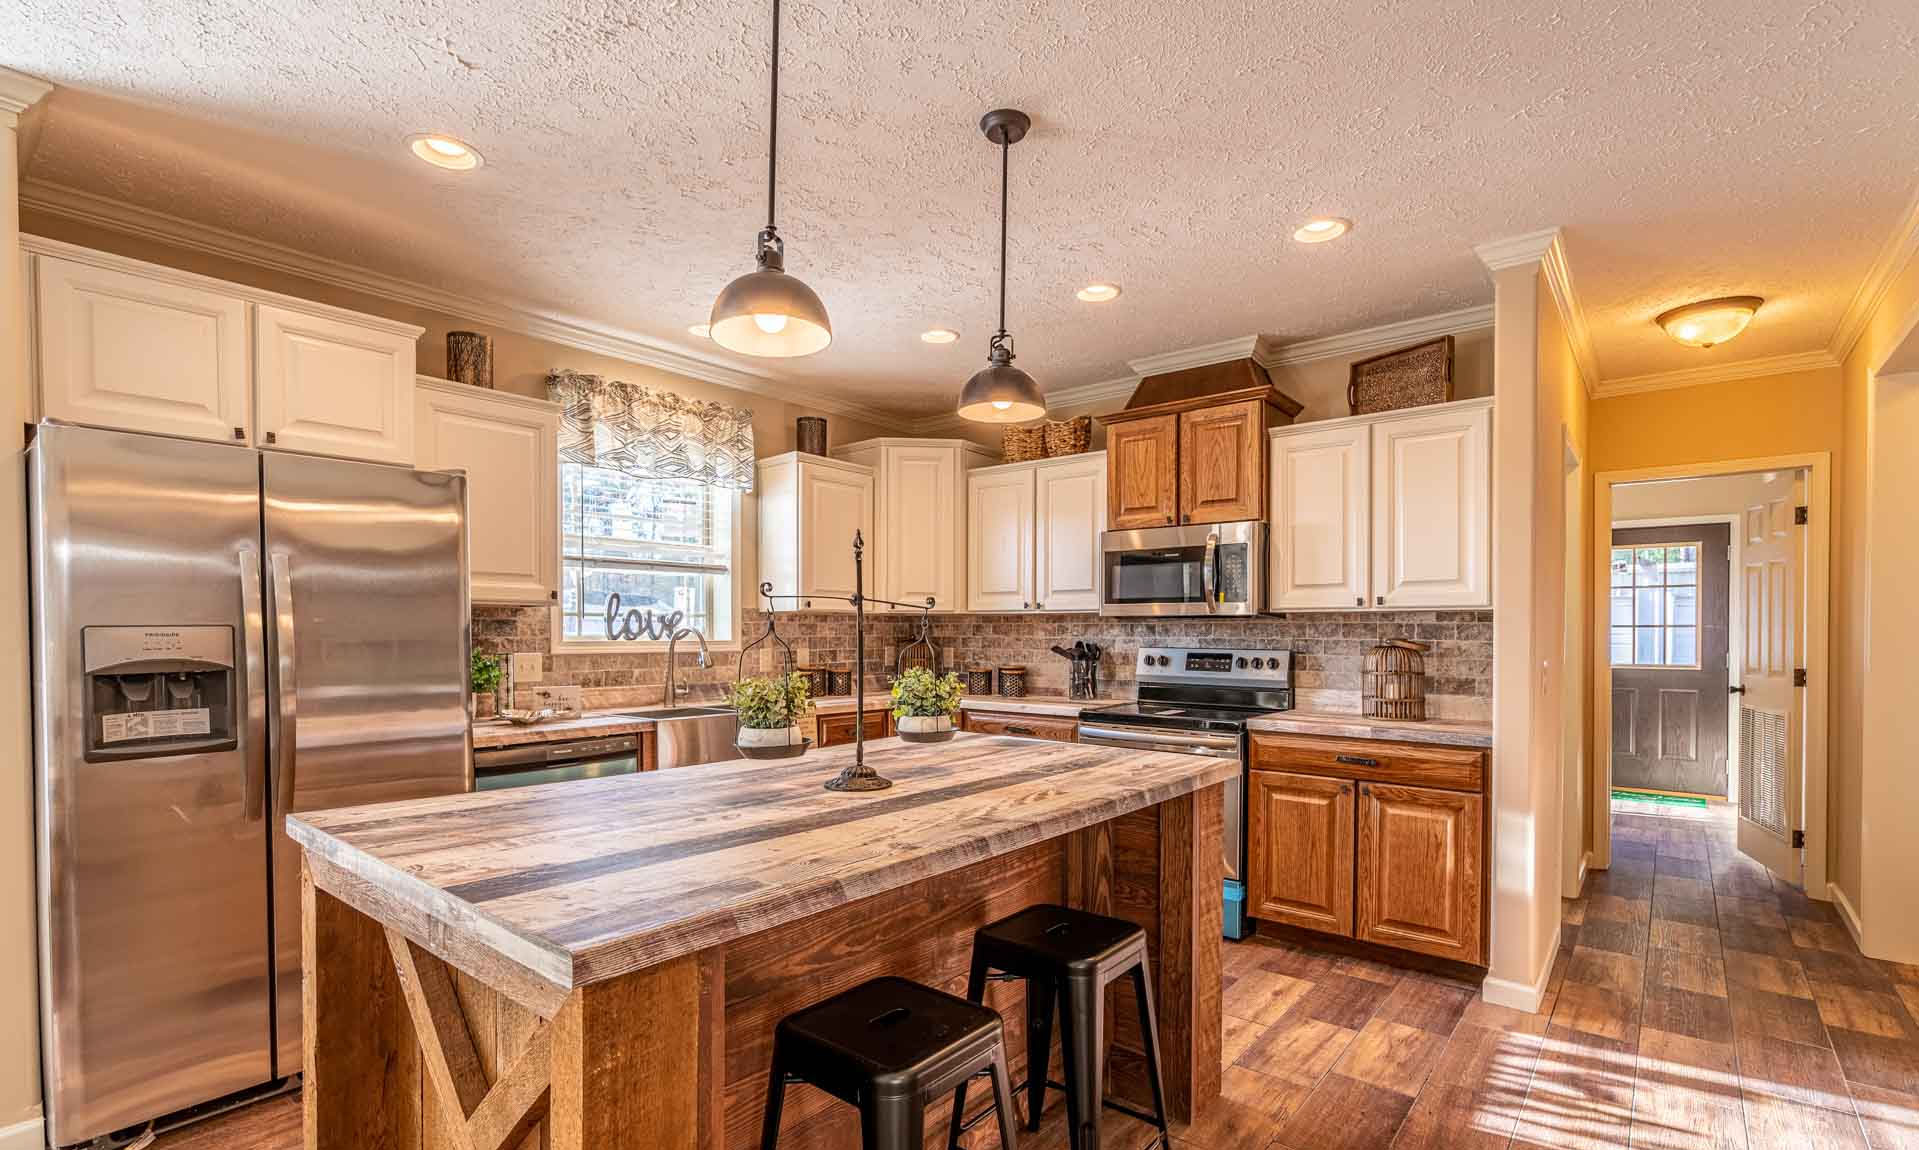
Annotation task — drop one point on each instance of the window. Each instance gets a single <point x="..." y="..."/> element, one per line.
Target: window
<point x="660" y="544"/>
<point x="1655" y="606"/>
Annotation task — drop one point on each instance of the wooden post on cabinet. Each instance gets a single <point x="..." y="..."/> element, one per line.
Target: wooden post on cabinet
<point x="362" y="1089"/>
<point x="1191" y="878"/>
<point x="628" y="1070"/>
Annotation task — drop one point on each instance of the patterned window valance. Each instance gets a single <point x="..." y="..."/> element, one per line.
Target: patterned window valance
<point x="652" y="434"/>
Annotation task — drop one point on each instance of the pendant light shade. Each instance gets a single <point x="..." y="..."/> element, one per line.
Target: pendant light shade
<point x="766" y="312"/>
<point x="1000" y="392"/>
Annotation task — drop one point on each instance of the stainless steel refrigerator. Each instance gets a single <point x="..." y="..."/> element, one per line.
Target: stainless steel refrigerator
<point x="220" y="636"/>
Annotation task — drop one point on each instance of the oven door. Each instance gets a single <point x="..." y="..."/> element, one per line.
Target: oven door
<point x="1206" y="569"/>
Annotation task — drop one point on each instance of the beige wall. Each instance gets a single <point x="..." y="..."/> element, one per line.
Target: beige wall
<point x="1874" y="803"/>
<point x="19" y="996"/>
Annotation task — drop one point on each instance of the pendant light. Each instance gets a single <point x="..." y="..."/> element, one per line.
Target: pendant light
<point x="767" y="312"/>
<point x="1000" y="392"/>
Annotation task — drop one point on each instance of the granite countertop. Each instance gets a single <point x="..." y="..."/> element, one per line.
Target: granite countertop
<point x="1451" y="733"/>
<point x="578" y="882"/>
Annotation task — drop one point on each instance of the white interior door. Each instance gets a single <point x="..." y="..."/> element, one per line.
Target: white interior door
<point x="1772" y="709"/>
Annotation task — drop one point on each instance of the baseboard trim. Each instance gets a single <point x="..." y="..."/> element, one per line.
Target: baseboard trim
<point x="1519" y="995"/>
<point x="28" y="1135"/>
<point x="1848" y="915"/>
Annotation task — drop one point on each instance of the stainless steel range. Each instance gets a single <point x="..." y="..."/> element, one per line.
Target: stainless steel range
<point x="1196" y="701"/>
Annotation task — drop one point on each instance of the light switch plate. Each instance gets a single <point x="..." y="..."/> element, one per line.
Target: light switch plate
<point x="528" y="667"/>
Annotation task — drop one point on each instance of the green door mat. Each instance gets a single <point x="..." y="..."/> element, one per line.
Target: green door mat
<point x="1665" y="800"/>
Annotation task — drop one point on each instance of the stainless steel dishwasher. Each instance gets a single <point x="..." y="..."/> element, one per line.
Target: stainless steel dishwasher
<point x="529" y="764"/>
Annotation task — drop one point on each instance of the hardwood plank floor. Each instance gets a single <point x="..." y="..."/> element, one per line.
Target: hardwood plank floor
<point x="1694" y="1003"/>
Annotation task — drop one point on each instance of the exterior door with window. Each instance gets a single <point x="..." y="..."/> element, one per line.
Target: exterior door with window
<point x="1668" y="595"/>
<point x="1771" y="711"/>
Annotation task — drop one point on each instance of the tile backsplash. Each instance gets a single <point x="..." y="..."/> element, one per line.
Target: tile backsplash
<point x="1329" y="650"/>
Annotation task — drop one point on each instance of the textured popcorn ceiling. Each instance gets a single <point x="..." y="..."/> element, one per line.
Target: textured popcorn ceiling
<point x="1687" y="149"/>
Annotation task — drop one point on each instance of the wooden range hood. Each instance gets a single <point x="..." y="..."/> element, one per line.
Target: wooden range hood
<point x="1190" y="446"/>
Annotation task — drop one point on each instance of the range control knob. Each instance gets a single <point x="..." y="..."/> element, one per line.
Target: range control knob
<point x="1259" y="664"/>
<point x="1240" y="662"/>
<point x="1165" y="661"/>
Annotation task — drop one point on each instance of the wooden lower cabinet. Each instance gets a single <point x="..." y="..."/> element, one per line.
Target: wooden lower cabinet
<point x="1300" y="850"/>
<point x="1060" y="730"/>
<point x="837" y="730"/>
<point x="1375" y="859"/>
<point x="1419" y="870"/>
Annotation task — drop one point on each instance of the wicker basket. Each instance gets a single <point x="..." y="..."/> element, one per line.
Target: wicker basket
<point x="979" y="680"/>
<point x="1012" y="682"/>
<point x="1023" y="444"/>
<point x="1410" y="377"/>
<point x="1394" y="681"/>
<point x="1069" y="436"/>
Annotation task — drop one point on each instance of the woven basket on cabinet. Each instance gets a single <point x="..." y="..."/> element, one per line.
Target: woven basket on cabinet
<point x="1069" y="436"/>
<point x="1023" y="444"/>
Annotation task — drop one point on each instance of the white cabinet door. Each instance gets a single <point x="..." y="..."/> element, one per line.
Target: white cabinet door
<point x="1320" y="509"/>
<point x="835" y="502"/>
<point x="1070" y="500"/>
<point x="137" y="354"/>
<point x="508" y="445"/>
<point x="330" y="387"/>
<point x="999" y="539"/>
<point x="920" y="529"/>
<point x="1432" y="502"/>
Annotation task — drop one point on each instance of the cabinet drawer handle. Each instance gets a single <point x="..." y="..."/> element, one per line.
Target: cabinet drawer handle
<point x="1355" y="760"/>
<point x="1016" y="729"/>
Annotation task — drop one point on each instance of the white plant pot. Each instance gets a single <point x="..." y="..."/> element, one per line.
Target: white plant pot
<point x="769" y="736"/>
<point x="924" y="728"/>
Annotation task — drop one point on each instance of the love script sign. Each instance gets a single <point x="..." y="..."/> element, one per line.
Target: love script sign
<point x="638" y="624"/>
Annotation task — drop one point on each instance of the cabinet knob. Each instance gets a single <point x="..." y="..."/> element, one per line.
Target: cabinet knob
<point x="239" y="433"/>
<point x="272" y="438"/>
<point x="1381" y="600"/>
<point x="808" y="603"/>
<point x="553" y="595"/>
<point x="1026" y="606"/>
<point x="1361" y="600"/>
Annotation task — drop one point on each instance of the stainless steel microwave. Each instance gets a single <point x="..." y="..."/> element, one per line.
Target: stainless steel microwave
<point x="1204" y="569"/>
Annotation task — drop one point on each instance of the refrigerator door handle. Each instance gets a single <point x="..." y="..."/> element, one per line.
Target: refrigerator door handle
<point x="285" y="712"/>
<point x="253" y="651"/>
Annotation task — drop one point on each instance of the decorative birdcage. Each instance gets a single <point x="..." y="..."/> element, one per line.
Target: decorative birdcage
<point x="1393" y="684"/>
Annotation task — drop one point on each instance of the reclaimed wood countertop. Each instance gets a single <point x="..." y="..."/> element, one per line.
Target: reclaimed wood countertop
<point x="553" y="887"/>
<point x="1445" y="732"/>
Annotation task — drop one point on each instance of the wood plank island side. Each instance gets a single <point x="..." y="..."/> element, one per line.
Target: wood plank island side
<point x="658" y="1034"/>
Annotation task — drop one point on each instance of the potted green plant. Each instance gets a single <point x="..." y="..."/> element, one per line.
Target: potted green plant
<point x="924" y="704"/>
<point x="484" y="674"/>
<point x="770" y="707"/>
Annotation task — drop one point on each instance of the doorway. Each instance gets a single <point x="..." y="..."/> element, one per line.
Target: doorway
<point x="1709" y="621"/>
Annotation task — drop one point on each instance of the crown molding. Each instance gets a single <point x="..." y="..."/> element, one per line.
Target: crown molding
<point x="1559" y="281"/>
<point x="1226" y="350"/>
<point x="568" y="331"/>
<point x="1898" y="250"/>
<point x="1513" y="251"/>
<point x="19" y="91"/>
<point x="1385" y="337"/>
<point x="1716" y="373"/>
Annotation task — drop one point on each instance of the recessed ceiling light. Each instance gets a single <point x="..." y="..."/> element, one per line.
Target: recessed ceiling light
<point x="703" y="330"/>
<point x="939" y="335"/>
<point x="1098" y="293"/>
<point x="445" y="152"/>
<point x="1320" y="230"/>
<point x="1710" y="321"/>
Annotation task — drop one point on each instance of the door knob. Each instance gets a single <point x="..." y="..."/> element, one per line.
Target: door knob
<point x="1739" y="690"/>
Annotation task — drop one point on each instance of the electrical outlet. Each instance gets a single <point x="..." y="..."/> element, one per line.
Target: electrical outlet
<point x="528" y="667"/>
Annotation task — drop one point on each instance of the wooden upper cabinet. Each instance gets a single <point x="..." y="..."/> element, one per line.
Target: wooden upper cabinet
<point x="1142" y="473"/>
<point x="1300" y="850"/>
<point x="1419" y="870"/>
<point x="1222" y="463"/>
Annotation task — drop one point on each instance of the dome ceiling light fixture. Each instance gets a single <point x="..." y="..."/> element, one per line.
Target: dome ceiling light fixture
<point x="1000" y="392"/>
<point x="767" y="312"/>
<point x="1709" y="322"/>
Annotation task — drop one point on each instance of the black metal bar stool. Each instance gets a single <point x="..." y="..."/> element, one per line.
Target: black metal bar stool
<point x="887" y="1046"/>
<point x="1070" y="955"/>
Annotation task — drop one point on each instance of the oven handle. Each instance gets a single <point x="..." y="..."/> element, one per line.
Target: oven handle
<point x="1153" y="738"/>
<point x="1208" y="574"/>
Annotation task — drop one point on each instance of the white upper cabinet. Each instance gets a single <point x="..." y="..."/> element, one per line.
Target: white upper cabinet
<point x="1385" y="511"/>
<point x="1070" y="511"/>
<point x="329" y="386"/>
<point x="919" y="493"/>
<point x="140" y="353"/>
<point x="999" y="509"/>
<point x="1032" y="535"/>
<point x="810" y="507"/>
<point x="134" y="346"/>
<point x="1320" y="482"/>
<point x="1432" y="502"/>
<point x="508" y="445"/>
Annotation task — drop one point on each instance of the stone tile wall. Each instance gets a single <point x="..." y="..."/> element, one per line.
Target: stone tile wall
<point x="1328" y="651"/>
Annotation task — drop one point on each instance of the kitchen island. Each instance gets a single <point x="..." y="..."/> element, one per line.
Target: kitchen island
<point x="606" y="959"/>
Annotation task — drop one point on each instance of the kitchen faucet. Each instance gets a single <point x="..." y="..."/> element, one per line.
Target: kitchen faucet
<point x="673" y="692"/>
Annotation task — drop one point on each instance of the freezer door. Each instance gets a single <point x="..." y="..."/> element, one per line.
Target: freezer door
<point x="367" y="639"/>
<point x="151" y="821"/>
